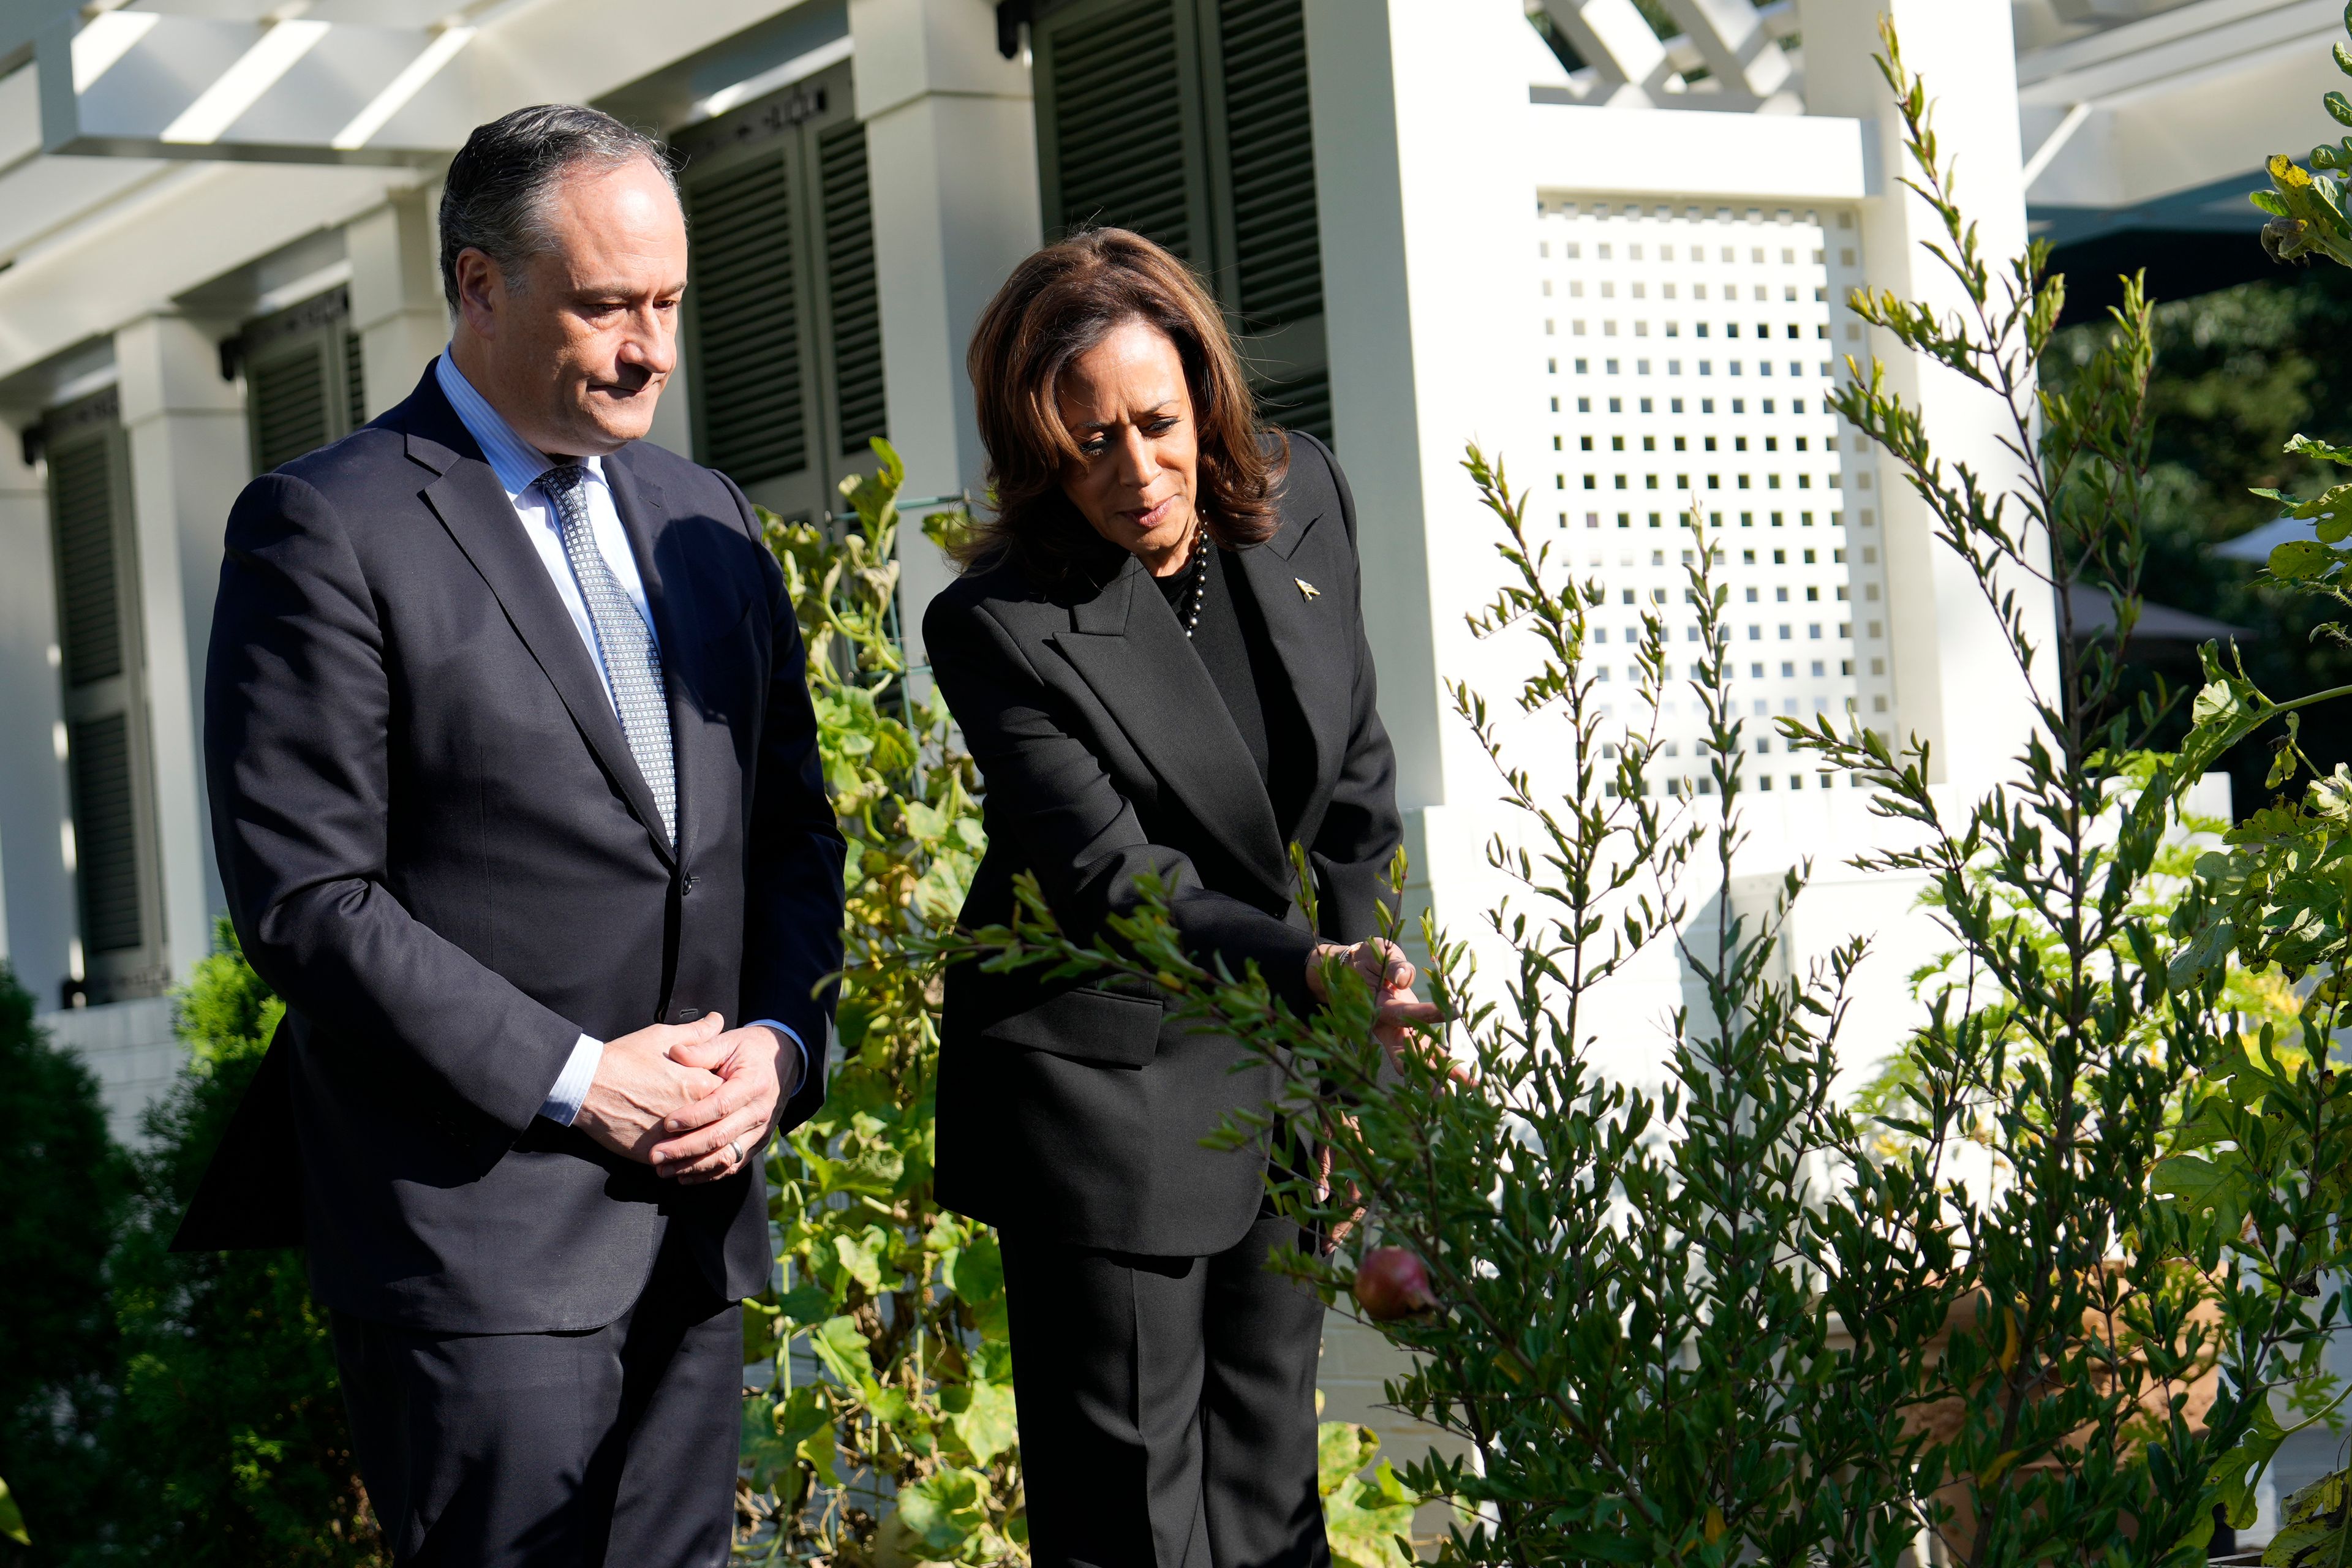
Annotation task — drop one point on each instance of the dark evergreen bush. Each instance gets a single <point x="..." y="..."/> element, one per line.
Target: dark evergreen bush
<point x="228" y="1442"/>
<point x="63" y="1183"/>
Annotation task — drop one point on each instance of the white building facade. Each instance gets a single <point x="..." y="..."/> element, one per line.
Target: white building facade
<point x="1628" y="278"/>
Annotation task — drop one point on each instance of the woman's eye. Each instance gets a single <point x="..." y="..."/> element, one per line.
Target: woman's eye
<point x="1094" y="448"/>
<point x="1160" y="427"/>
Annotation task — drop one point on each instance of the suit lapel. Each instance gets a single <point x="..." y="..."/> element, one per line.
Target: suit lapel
<point x="473" y="506"/>
<point x="1309" y="634"/>
<point x="676" y="624"/>
<point x="1130" y="651"/>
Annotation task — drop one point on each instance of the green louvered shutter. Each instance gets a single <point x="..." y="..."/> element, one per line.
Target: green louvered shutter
<point x="89" y="605"/>
<point x="354" y="382"/>
<point x="853" y="299"/>
<point x="302" y="379"/>
<point x="289" y="408"/>
<point x="1117" y="123"/>
<point x="783" y="314"/>
<point x="750" y="398"/>
<point x="106" y="835"/>
<point x="108" y="769"/>
<point x="1270" y="155"/>
<point x="1189" y="122"/>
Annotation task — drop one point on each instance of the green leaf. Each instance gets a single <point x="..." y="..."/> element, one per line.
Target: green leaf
<point x="985" y="1426"/>
<point x="1341" y="1449"/>
<point x="975" y="1272"/>
<point x="12" y="1518"/>
<point x="800" y="1413"/>
<point x="820" y="1448"/>
<point x="945" y="1510"/>
<point x="2299" y="560"/>
<point x="809" y="1304"/>
<point x="775" y="1430"/>
<point x="861" y="1258"/>
<point x="843" y="1349"/>
<point x="2240" y="1471"/>
<point x="2301" y="445"/>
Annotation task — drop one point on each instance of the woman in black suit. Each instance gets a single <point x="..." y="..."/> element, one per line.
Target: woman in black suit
<point x="1158" y="657"/>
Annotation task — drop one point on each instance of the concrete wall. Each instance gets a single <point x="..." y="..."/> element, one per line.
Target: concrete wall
<point x="131" y="1047"/>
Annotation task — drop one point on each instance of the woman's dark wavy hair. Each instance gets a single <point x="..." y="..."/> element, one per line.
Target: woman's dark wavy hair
<point x="1057" y="305"/>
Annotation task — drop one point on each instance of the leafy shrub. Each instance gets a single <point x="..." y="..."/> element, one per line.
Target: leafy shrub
<point x="63" y="1186"/>
<point x="1734" y="1318"/>
<point x="889" y="1427"/>
<point x="228" y="1444"/>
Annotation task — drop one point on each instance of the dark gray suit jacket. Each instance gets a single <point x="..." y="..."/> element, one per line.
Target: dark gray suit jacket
<point x="1078" y="1112"/>
<point x="438" y="849"/>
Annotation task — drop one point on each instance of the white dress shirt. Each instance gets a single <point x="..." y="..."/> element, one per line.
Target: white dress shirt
<point x="518" y="466"/>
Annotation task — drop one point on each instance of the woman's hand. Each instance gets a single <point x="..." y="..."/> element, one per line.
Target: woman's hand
<point x="1390" y="975"/>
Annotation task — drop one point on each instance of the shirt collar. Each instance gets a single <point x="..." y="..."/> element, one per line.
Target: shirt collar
<point x="515" y="461"/>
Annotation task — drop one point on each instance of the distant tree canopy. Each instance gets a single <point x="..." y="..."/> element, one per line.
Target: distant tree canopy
<point x="2237" y="373"/>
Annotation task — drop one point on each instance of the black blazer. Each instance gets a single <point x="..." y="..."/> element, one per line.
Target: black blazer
<point x="1078" y="1113"/>
<point x="438" y="850"/>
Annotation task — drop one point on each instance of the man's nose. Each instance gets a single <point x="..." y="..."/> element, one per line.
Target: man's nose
<point x="651" y="342"/>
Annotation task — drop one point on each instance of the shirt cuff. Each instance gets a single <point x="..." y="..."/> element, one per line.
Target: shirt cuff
<point x="789" y="1033"/>
<point x="563" y="1101"/>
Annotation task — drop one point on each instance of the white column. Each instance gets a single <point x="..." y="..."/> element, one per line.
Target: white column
<point x="1427" y="202"/>
<point x="1426" y="205"/>
<point x="396" y="290"/>
<point x="37" y="893"/>
<point x="188" y="460"/>
<point x="952" y="146"/>
<point x="1954" y="684"/>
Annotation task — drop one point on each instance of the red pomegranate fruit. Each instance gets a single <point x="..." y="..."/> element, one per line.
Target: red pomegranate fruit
<point x="1391" y="1283"/>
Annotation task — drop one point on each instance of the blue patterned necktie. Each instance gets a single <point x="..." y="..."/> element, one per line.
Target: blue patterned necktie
<point x="626" y="644"/>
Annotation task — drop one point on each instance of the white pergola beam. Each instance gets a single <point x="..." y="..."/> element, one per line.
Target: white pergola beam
<point x="1734" y="41"/>
<point x="1616" y="44"/>
<point x="318" y="88"/>
<point x="144" y="85"/>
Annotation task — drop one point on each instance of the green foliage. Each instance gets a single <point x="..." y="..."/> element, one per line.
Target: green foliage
<point x="1640" y="1291"/>
<point x="2321" y="562"/>
<point x="2306" y="206"/>
<point x="1730" y="1319"/>
<point x="887" y="1435"/>
<point x="1367" y="1517"/>
<point x="2238" y="371"/>
<point x="63" y="1185"/>
<point x="228" y="1444"/>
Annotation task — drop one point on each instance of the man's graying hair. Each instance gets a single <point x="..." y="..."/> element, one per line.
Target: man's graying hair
<point x="494" y="198"/>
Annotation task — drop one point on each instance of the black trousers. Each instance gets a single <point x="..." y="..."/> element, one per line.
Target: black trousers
<point x="613" y="1446"/>
<point x="1167" y="1405"/>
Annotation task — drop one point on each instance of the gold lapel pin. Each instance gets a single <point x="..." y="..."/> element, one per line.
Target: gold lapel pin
<point x="1306" y="590"/>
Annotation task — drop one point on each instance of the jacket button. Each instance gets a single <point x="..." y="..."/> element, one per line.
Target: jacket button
<point x="685" y="887"/>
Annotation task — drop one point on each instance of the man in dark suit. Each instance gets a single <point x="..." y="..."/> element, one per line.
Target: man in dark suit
<point x="517" y="798"/>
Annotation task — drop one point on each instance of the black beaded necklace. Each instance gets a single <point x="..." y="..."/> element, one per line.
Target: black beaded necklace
<point x="1192" y="616"/>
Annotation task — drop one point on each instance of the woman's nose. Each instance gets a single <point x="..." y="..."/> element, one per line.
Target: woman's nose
<point x="1135" y="464"/>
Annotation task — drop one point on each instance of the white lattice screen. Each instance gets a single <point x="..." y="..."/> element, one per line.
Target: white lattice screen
<point x="1687" y="352"/>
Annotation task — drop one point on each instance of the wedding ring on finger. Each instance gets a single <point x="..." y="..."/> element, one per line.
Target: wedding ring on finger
<point x="734" y="1154"/>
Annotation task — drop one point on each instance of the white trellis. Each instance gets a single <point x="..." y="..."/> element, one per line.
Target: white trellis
<point x="1734" y="48"/>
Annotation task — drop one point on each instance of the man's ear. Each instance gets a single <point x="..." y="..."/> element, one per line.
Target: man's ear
<point x="481" y="291"/>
